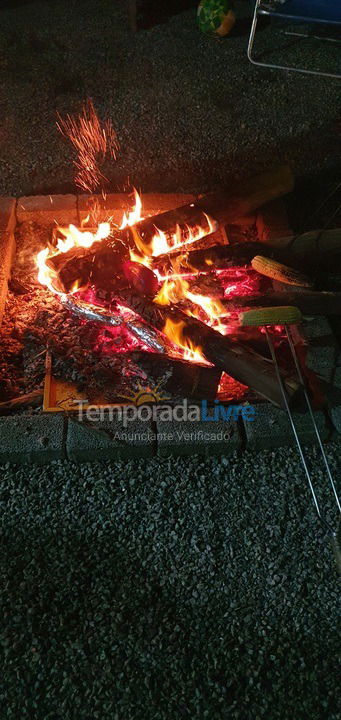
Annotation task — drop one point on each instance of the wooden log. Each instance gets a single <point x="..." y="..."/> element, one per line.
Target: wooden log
<point x="28" y="399"/>
<point x="179" y="226"/>
<point x="223" y="207"/>
<point x="180" y="376"/>
<point x="310" y="302"/>
<point x="317" y="254"/>
<point x="315" y="250"/>
<point x="216" y="257"/>
<point x="243" y="364"/>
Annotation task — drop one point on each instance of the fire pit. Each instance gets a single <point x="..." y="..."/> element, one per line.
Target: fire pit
<point x="133" y="305"/>
<point x="143" y="280"/>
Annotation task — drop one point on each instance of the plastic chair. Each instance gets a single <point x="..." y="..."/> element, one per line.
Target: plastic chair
<point x="326" y="13"/>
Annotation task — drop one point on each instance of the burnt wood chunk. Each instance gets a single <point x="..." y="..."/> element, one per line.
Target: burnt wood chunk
<point x="180" y="377"/>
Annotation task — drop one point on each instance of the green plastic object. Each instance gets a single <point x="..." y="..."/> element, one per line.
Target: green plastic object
<point x="216" y="16"/>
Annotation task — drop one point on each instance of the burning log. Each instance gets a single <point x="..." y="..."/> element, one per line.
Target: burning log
<point x="223" y="257"/>
<point x="107" y="269"/>
<point x="223" y="206"/>
<point x="217" y="257"/>
<point x="242" y="363"/>
<point x="167" y="232"/>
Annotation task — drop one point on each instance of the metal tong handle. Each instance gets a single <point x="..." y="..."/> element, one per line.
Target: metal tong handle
<point x="332" y="533"/>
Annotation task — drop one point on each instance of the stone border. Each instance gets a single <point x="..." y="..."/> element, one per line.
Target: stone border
<point x="47" y="436"/>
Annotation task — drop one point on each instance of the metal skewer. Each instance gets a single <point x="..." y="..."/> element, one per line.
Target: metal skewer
<point x="281" y="319"/>
<point x="331" y="532"/>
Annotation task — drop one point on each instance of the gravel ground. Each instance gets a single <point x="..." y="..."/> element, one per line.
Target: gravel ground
<point x="167" y="589"/>
<point x="190" y="110"/>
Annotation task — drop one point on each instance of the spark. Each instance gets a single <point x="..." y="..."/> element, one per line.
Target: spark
<point x="92" y="141"/>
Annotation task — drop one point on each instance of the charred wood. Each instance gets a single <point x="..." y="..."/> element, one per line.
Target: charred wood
<point x="239" y="361"/>
<point x="180" y="377"/>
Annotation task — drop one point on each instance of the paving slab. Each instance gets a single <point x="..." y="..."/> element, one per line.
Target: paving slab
<point x="109" y="440"/>
<point x="7" y="213"/>
<point x="203" y="437"/>
<point x="113" y="205"/>
<point x="34" y="438"/>
<point x="271" y="428"/>
<point x="48" y="209"/>
<point x="331" y="375"/>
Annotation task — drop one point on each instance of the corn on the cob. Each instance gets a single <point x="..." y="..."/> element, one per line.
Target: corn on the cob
<point x="281" y="315"/>
<point x="278" y="271"/>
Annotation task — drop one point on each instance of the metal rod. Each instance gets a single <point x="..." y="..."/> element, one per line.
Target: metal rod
<point x="315" y="37"/>
<point x="279" y="377"/>
<point x="299" y="373"/>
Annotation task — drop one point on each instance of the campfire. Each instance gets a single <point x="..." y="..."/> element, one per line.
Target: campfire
<point x="171" y="285"/>
<point x="169" y="293"/>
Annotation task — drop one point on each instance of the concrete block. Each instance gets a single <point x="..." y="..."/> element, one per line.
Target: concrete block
<point x="335" y="413"/>
<point x="201" y="437"/>
<point x="316" y="327"/>
<point x="109" y="440"/>
<point x="7" y="250"/>
<point x="48" y="209"/>
<point x="113" y="205"/>
<point x="7" y="213"/>
<point x="322" y="357"/>
<point x="34" y="438"/>
<point x="336" y="378"/>
<point x="271" y="428"/>
<point x="331" y="375"/>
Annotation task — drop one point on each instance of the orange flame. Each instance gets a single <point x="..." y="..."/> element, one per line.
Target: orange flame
<point x="135" y="215"/>
<point x="162" y="244"/>
<point x="212" y="307"/>
<point x="72" y="238"/>
<point x="174" y="331"/>
<point x="175" y="287"/>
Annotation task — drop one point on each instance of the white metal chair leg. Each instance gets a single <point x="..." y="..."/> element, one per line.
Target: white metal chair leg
<point x="271" y="65"/>
<point x="253" y="33"/>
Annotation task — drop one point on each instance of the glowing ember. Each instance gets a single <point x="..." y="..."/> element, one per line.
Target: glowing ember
<point x="92" y="141"/>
